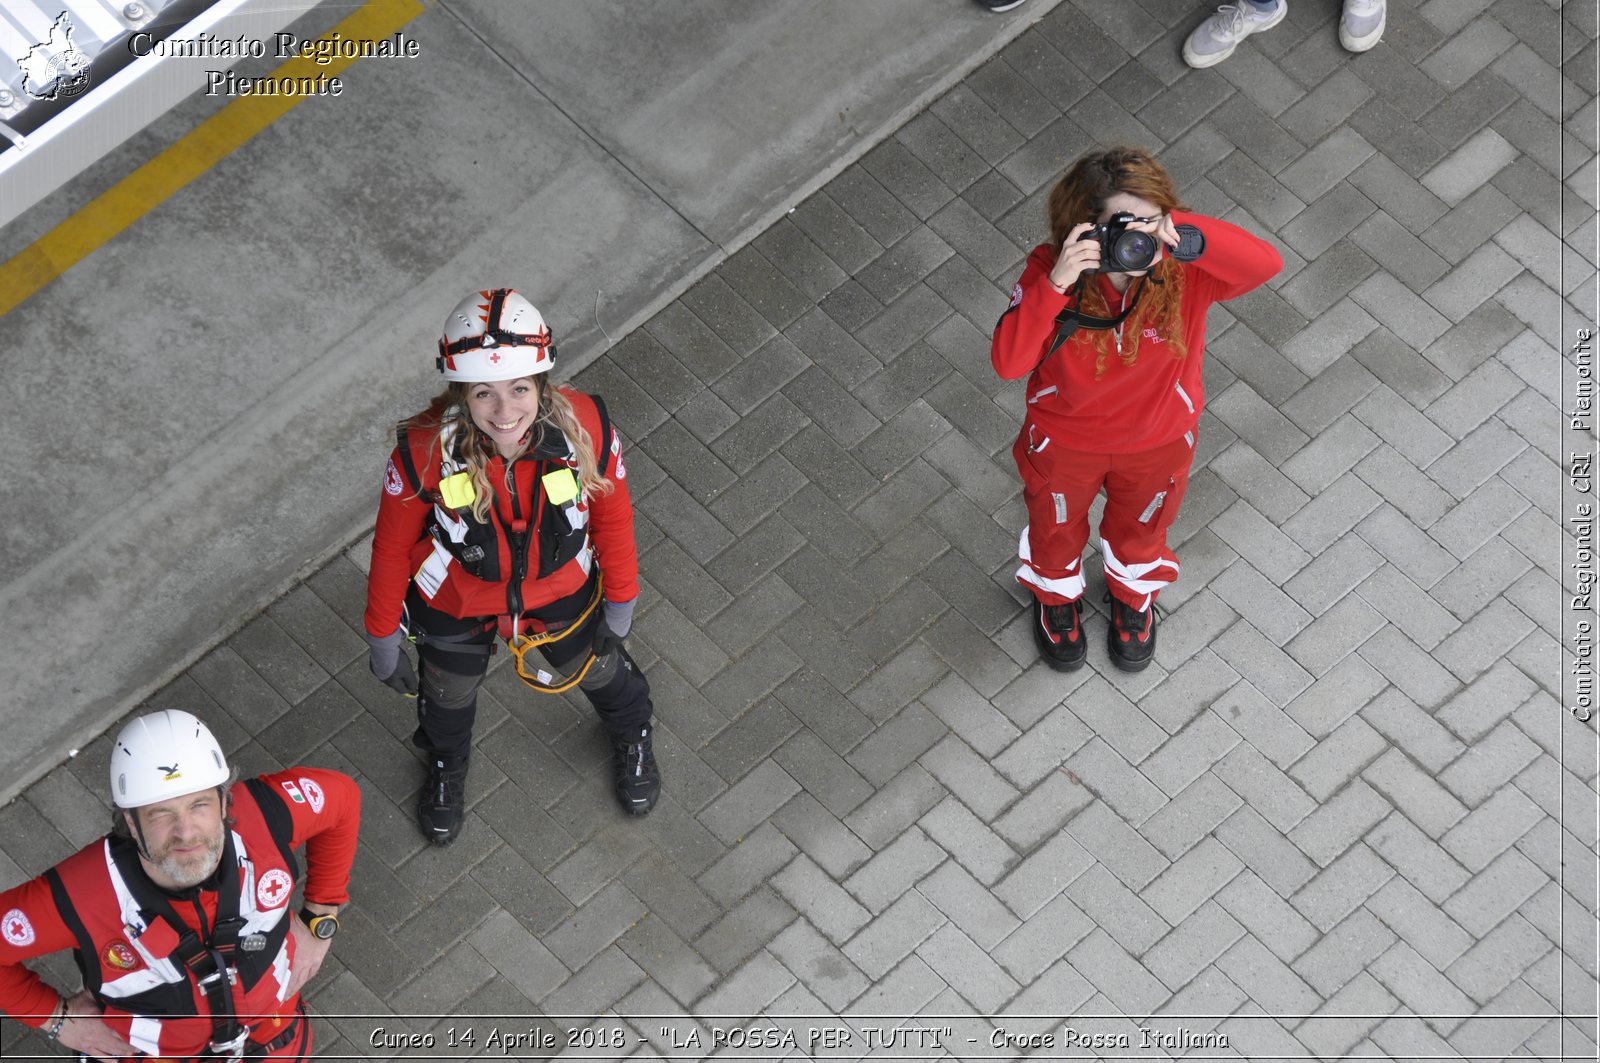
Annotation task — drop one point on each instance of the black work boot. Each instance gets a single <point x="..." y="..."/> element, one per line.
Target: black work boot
<point x="1058" y="631"/>
<point x="443" y="806"/>
<point x="1131" y="636"/>
<point x="638" y="777"/>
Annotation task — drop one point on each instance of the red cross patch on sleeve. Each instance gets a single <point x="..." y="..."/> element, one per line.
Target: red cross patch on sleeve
<point x="16" y="927"/>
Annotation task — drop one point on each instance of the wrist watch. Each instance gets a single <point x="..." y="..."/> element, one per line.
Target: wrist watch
<point x="321" y="926"/>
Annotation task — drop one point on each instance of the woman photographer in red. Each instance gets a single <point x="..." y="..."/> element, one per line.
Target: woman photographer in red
<point x="1108" y="321"/>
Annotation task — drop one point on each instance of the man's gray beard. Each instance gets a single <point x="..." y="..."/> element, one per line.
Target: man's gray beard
<point x="195" y="870"/>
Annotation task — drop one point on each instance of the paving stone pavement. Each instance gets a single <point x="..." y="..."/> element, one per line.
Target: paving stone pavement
<point x="1345" y="813"/>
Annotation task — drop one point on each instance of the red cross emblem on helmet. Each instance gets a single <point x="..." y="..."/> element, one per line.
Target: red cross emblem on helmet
<point x="494" y="335"/>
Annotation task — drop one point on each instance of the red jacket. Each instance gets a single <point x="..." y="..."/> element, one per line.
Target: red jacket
<point x="403" y="549"/>
<point x="314" y="807"/>
<point x="1128" y="408"/>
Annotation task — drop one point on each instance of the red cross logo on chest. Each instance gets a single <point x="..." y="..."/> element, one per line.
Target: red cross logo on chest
<point x="274" y="888"/>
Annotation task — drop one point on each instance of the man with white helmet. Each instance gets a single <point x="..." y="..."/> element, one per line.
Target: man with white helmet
<point x="505" y="509"/>
<point x="181" y="918"/>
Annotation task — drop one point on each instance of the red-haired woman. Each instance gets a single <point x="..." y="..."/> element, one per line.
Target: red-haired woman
<point x="1114" y="348"/>
<point x="502" y="504"/>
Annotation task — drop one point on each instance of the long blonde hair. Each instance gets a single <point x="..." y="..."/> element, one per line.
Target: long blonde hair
<point x="476" y="450"/>
<point x="1080" y="196"/>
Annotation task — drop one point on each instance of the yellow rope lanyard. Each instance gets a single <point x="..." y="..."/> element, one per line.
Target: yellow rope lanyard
<point x="548" y="682"/>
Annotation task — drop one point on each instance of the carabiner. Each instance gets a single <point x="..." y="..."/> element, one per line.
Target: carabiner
<point x="541" y="680"/>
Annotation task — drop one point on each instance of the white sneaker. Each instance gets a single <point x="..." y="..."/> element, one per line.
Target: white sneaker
<point x="1362" y="24"/>
<point x="1216" y="38"/>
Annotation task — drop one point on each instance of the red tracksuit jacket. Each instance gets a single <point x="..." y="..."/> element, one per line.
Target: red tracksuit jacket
<point x="321" y="810"/>
<point x="402" y="548"/>
<point x="1129" y="408"/>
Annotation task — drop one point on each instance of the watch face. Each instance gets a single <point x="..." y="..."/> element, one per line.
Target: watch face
<point x="325" y="927"/>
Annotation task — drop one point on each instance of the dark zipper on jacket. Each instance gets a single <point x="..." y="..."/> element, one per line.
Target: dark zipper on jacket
<point x="520" y="541"/>
<point x="199" y="910"/>
<point x="519" y="546"/>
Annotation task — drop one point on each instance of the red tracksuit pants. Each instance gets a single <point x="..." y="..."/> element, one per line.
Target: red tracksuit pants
<point x="1143" y="493"/>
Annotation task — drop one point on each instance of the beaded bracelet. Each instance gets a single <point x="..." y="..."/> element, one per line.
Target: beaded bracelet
<point x="60" y="1020"/>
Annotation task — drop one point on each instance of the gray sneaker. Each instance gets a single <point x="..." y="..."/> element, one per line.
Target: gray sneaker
<point x="1362" y="24"/>
<point x="1216" y="38"/>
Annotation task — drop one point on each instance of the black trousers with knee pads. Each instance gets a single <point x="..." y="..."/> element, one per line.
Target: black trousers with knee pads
<point x="453" y="656"/>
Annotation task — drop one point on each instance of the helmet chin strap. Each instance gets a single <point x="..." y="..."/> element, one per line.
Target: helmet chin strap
<point x="138" y="832"/>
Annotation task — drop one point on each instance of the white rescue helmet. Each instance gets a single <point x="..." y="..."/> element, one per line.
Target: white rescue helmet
<point x="495" y="335"/>
<point x="164" y="755"/>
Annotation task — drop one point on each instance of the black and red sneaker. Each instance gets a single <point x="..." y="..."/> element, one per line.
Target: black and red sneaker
<point x="1058" y="629"/>
<point x="1132" y="635"/>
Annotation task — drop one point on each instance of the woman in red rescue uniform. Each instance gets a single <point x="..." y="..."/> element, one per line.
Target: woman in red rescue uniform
<point x="1113" y="407"/>
<point x="502" y="505"/>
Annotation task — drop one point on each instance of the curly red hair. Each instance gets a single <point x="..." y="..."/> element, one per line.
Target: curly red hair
<point x="1081" y="196"/>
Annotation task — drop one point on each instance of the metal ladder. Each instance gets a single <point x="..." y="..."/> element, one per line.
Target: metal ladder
<point x="78" y="77"/>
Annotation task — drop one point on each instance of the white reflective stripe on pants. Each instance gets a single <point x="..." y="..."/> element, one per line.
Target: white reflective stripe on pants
<point x="1070" y="586"/>
<point x="1134" y="577"/>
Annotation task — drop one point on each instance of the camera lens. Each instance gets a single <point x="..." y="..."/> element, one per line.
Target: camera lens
<point x="1133" y="251"/>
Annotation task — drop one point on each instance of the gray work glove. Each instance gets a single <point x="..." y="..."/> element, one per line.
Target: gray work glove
<point x="614" y="627"/>
<point x="390" y="665"/>
<point x="619" y="616"/>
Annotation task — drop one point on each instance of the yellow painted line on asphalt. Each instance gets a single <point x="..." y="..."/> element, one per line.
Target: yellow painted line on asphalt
<point x="213" y="140"/>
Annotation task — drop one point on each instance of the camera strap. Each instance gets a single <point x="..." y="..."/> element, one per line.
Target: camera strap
<point x="1071" y="319"/>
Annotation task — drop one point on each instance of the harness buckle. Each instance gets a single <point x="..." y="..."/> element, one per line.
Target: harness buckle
<point x="231" y="1049"/>
<point x="210" y="979"/>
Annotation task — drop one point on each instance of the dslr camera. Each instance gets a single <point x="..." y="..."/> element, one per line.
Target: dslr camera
<point x="1122" y="250"/>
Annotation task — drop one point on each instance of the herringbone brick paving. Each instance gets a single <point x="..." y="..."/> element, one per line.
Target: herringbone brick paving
<point x="1343" y="814"/>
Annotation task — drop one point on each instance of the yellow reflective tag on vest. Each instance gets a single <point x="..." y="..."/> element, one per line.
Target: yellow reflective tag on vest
<point x="456" y="491"/>
<point x="561" y="486"/>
